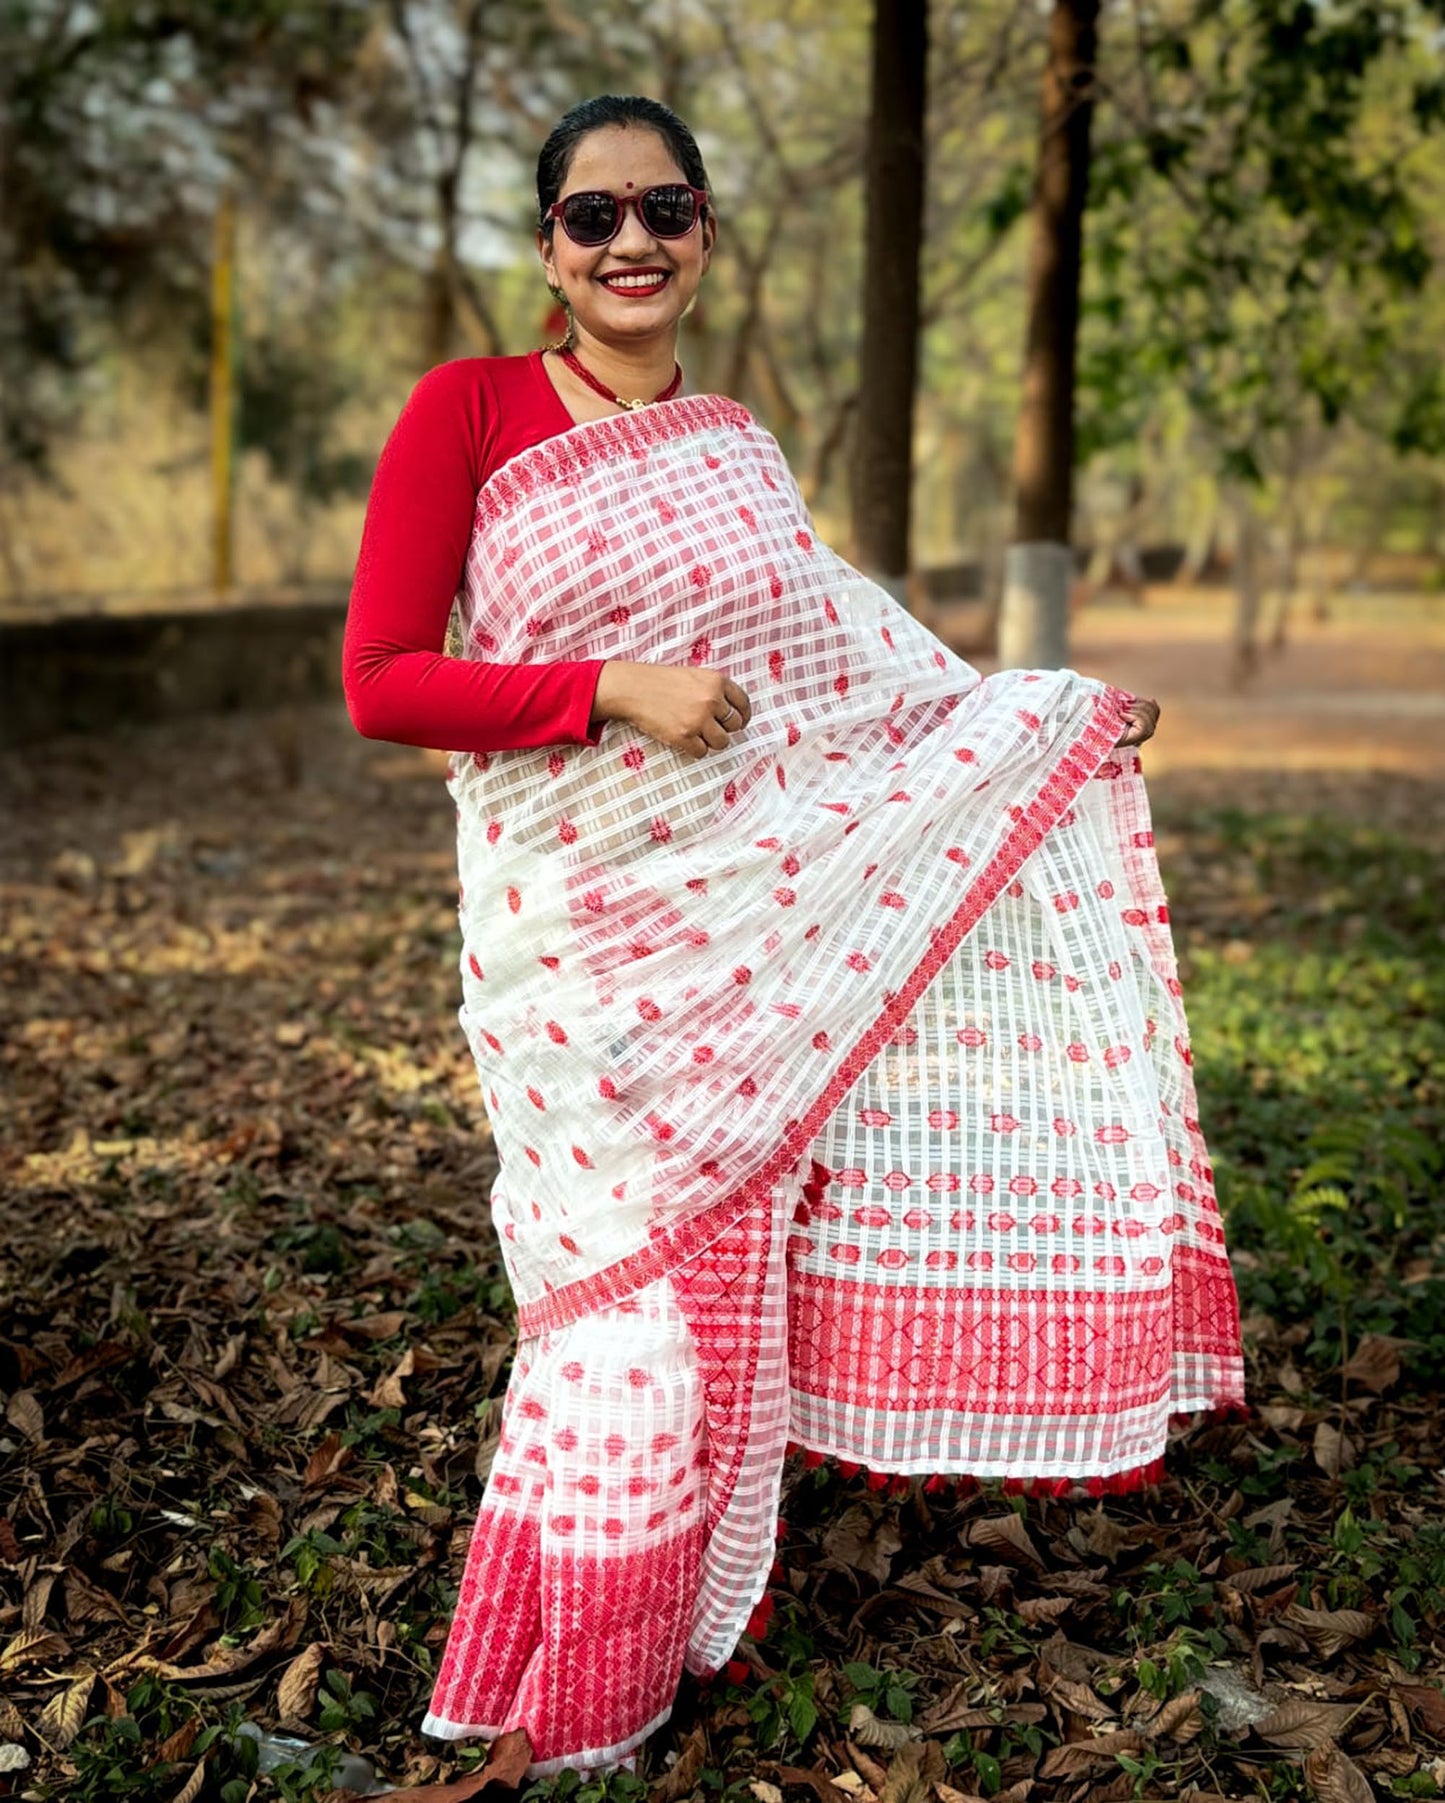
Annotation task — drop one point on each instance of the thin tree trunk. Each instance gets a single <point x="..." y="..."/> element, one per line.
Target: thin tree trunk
<point x="1288" y="575"/>
<point x="1244" y="653"/>
<point x="1034" y="623"/>
<point x="1199" y="551"/>
<point x="223" y="394"/>
<point x="883" y="440"/>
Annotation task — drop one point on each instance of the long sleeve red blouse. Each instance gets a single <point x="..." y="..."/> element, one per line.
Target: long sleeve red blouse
<point x="462" y="422"/>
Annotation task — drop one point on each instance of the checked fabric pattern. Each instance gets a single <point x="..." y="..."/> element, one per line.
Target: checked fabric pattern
<point x="840" y="1080"/>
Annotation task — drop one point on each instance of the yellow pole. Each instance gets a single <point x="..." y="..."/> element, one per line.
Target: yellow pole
<point x="223" y="462"/>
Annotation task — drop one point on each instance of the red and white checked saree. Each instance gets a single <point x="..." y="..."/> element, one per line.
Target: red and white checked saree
<point x="840" y="1080"/>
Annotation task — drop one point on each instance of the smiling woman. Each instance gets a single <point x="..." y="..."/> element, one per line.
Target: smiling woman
<point x="821" y="991"/>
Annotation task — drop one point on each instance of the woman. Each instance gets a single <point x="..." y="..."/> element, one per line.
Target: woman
<point x="822" y="993"/>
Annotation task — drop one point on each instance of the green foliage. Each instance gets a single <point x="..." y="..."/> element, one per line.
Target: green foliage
<point x="1247" y="237"/>
<point x="888" y="1693"/>
<point x="112" y="1756"/>
<point x="240" y="1602"/>
<point x="310" y="1551"/>
<point x="1316" y="1061"/>
<point x="784" y="1708"/>
<point x="343" y="1709"/>
<point x="579" y="1787"/>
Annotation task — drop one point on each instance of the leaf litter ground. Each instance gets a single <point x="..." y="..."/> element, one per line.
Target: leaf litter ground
<point x="255" y="1334"/>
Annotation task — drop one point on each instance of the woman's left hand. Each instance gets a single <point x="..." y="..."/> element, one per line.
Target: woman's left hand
<point x="1141" y="718"/>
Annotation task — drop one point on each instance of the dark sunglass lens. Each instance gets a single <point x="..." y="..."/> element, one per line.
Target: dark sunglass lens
<point x="669" y="212"/>
<point x="589" y="218"/>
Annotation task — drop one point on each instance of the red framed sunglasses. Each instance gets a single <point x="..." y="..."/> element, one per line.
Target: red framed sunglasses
<point x="595" y="217"/>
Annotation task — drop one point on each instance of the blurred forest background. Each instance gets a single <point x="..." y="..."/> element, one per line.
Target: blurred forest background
<point x="349" y="183"/>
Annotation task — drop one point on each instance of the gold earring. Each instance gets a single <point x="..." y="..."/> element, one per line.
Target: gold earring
<point x="565" y="342"/>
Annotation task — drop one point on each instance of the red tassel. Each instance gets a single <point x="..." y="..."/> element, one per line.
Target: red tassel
<point x="846" y="1468"/>
<point x="935" y="1485"/>
<point x="739" y="1671"/>
<point x="791" y="1447"/>
<point x="900" y="1485"/>
<point x="777" y="1575"/>
<point x="878" y="1480"/>
<point x="812" y="1460"/>
<point x="759" y="1619"/>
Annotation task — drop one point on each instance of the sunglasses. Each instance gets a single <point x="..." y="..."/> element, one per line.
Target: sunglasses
<point x="595" y="217"/>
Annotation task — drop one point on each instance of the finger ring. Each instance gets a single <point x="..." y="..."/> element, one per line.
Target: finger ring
<point x="727" y="716"/>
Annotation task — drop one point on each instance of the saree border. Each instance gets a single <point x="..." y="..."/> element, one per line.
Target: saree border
<point x="593" y="441"/>
<point x="671" y="1247"/>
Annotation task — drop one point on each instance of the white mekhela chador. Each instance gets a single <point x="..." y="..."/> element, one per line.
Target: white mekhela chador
<point x="840" y="1080"/>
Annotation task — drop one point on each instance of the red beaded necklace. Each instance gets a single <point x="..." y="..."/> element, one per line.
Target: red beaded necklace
<point x="583" y="374"/>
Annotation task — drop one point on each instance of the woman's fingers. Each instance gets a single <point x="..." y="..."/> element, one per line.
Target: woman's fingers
<point x="713" y="735"/>
<point x="1142" y="717"/>
<point x="736" y="697"/>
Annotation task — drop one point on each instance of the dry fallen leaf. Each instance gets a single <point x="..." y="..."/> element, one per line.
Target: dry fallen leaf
<point x="865" y="1540"/>
<point x="1099" y="1536"/>
<point x="1072" y="1694"/>
<point x="1260" y="1577"/>
<point x="25" y="1415"/>
<point x="866" y="1766"/>
<point x="507" y="1763"/>
<point x="1334" y="1452"/>
<point x="193" y="1786"/>
<point x="1375" y="1362"/>
<point x="1330" y="1630"/>
<point x="913" y="1770"/>
<point x="868" y="1731"/>
<point x="1426" y="1705"/>
<point x="30" y="1646"/>
<point x="1078" y="1757"/>
<point x="328" y="1458"/>
<point x="1006" y="1537"/>
<point x="1179" y="1719"/>
<point x="1335" y="1778"/>
<point x="65" y="1714"/>
<point x="296" y="1693"/>
<point x="821" y="1783"/>
<point x="1036" y="1609"/>
<point x="1303" y="1722"/>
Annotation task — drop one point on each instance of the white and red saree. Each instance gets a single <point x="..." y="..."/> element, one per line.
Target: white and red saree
<point x="840" y="1080"/>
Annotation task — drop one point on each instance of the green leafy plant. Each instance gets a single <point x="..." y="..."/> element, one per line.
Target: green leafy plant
<point x="887" y="1693"/>
<point x="341" y="1707"/>
<point x="239" y="1600"/>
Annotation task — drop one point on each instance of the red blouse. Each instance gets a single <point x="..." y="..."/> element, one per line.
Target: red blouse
<point x="463" y="421"/>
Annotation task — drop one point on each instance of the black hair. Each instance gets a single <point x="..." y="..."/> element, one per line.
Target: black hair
<point x="611" y="109"/>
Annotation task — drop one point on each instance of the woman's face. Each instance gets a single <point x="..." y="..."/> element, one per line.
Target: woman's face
<point x="624" y="160"/>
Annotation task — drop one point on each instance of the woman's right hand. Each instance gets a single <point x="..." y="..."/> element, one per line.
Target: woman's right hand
<point x="679" y="706"/>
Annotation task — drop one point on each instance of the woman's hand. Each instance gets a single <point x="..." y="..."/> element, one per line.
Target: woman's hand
<point x="694" y="711"/>
<point x="1142" y="717"/>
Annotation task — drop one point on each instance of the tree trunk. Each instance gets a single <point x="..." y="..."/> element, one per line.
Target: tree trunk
<point x="1244" y="652"/>
<point x="883" y="429"/>
<point x="1034" y="625"/>
<point x="223" y="394"/>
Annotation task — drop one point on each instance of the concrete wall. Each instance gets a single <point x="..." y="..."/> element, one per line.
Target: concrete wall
<point x="88" y="673"/>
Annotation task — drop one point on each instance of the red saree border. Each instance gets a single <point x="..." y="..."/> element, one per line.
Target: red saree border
<point x="947" y="1342"/>
<point x="672" y="1247"/>
<point x="594" y="441"/>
